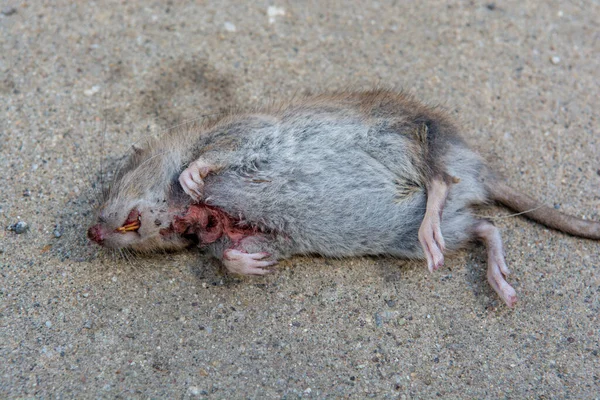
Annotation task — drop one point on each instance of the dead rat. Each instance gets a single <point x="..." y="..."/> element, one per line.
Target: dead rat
<point x="348" y="174"/>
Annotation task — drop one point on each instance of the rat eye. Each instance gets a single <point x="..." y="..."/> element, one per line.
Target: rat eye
<point x="132" y="223"/>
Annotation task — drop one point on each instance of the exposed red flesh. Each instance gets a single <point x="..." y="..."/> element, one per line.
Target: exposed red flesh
<point x="209" y="224"/>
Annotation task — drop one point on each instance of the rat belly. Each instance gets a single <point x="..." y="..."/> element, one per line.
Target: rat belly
<point x="339" y="205"/>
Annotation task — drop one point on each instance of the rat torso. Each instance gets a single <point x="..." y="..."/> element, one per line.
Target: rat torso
<point x="369" y="173"/>
<point x="338" y="180"/>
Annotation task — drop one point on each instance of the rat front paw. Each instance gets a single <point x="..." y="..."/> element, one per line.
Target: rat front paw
<point x="191" y="179"/>
<point x="239" y="262"/>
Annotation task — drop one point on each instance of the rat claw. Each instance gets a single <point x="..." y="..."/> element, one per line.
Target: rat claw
<point x="259" y="256"/>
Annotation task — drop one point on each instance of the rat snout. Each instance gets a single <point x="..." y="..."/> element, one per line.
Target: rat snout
<point x="96" y="234"/>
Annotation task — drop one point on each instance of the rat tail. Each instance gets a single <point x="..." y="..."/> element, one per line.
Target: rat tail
<point x="543" y="214"/>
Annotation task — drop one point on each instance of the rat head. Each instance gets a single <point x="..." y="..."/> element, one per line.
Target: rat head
<point x="142" y="203"/>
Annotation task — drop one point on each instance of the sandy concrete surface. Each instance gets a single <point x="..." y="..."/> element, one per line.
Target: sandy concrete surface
<point x="81" y="83"/>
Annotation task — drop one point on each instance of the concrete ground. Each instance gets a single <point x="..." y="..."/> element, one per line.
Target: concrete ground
<point x="80" y="83"/>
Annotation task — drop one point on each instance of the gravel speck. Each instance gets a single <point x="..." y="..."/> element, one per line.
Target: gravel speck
<point x="92" y="91"/>
<point x="19" y="227"/>
<point x="48" y="324"/>
<point x="555" y="60"/>
<point x="8" y="11"/>
<point x="378" y="319"/>
<point x="229" y="27"/>
<point x="273" y="12"/>
<point x="56" y="232"/>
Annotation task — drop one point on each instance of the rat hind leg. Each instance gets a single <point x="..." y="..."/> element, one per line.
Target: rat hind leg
<point x="497" y="269"/>
<point x="430" y="232"/>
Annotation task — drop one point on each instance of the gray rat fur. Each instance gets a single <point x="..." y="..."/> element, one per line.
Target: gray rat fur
<point x="339" y="175"/>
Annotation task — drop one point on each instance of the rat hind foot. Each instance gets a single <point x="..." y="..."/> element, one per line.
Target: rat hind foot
<point x="497" y="269"/>
<point x="192" y="178"/>
<point x="430" y="232"/>
<point x="239" y="262"/>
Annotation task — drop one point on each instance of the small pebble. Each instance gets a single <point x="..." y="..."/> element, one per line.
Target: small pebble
<point x="491" y="6"/>
<point x="8" y="11"/>
<point x="378" y="320"/>
<point x="57" y="233"/>
<point x="87" y="324"/>
<point x="555" y="60"/>
<point x="273" y="12"/>
<point x="48" y="324"/>
<point x="229" y="27"/>
<point x="92" y="91"/>
<point x="19" y="227"/>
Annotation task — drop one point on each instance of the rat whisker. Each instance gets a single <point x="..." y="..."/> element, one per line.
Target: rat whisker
<point x="510" y="215"/>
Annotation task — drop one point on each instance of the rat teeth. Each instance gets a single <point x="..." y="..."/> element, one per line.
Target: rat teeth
<point x="130" y="227"/>
<point x="133" y="222"/>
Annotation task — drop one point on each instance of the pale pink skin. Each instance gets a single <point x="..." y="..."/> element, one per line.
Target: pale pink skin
<point x="497" y="269"/>
<point x="430" y="232"/>
<point x="240" y="262"/>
